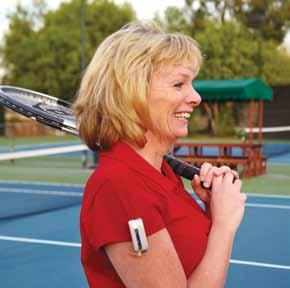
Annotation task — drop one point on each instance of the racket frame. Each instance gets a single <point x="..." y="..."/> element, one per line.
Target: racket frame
<point x="38" y="115"/>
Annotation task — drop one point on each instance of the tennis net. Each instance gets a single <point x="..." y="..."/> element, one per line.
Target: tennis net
<point x="41" y="180"/>
<point x="268" y="130"/>
<point x="276" y="140"/>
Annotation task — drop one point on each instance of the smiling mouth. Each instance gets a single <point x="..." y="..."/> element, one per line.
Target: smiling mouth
<point x="182" y="115"/>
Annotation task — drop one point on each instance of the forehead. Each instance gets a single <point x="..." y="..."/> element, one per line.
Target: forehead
<point x="169" y="72"/>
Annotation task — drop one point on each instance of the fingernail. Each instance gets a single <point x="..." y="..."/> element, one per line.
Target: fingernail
<point x="206" y="184"/>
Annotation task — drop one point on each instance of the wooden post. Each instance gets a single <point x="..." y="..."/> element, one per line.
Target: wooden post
<point x="260" y="121"/>
<point x="251" y="121"/>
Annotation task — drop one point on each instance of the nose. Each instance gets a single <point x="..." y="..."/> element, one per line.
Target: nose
<point x="193" y="98"/>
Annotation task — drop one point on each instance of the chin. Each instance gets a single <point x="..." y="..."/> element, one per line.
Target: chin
<point x="181" y="134"/>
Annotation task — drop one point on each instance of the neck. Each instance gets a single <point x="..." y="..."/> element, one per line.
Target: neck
<point x="154" y="150"/>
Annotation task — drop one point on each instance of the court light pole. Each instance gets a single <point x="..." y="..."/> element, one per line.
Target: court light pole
<point x="260" y="58"/>
<point x="257" y="21"/>
<point x="83" y="60"/>
<point x="83" y="35"/>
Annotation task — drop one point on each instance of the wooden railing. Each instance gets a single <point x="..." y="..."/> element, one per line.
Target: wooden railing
<point x="246" y="156"/>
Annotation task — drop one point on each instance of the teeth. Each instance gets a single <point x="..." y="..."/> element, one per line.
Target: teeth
<point x="182" y="115"/>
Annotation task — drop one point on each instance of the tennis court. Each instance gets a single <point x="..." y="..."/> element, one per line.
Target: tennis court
<point x="42" y="249"/>
<point x="39" y="231"/>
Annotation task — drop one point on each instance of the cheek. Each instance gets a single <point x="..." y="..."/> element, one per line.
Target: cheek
<point x="162" y="105"/>
<point x="157" y="103"/>
<point x="163" y="119"/>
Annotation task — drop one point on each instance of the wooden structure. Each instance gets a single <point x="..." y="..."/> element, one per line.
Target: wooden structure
<point x="248" y="155"/>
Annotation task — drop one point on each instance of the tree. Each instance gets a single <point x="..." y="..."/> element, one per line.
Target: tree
<point x="229" y="51"/>
<point x="189" y="19"/>
<point x="272" y="17"/>
<point x="42" y="49"/>
<point x="269" y="17"/>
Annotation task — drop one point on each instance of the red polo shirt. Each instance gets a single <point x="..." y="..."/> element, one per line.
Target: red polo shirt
<point x="123" y="187"/>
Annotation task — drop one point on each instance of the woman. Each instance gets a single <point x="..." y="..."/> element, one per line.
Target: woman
<point x="134" y="102"/>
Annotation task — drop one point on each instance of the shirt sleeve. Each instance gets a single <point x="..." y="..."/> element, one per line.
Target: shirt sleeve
<point x="117" y="201"/>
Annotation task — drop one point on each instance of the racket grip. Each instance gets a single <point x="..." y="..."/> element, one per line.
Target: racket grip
<point x="183" y="169"/>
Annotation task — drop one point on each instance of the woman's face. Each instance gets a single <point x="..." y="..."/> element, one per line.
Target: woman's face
<point x="171" y="101"/>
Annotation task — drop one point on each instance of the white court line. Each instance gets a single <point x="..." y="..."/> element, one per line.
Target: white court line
<point x="268" y="195"/>
<point x="80" y="194"/>
<point x="40" y="241"/>
<point x="73" y="244"/>
<point x="41" y="183"/>
<point x="278" y="176"/>
<point x="40" y="192"/>
<point x="270" y="206"/>
<point x="259" y="264"/>
<point x="82" y="186"/>
<point x="258" y="205"/>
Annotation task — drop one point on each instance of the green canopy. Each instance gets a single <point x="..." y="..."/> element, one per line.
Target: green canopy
<point x="233" y="90"/>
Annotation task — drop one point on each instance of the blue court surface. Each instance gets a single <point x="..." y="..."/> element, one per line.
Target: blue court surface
<point x="40" y="244"/>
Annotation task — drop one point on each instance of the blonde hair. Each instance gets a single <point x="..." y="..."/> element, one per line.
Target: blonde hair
<point x="111" y="103"/>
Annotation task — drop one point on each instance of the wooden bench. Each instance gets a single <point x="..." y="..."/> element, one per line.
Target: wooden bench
<point x="232" y="162"/>
<point x="251" y="163"/>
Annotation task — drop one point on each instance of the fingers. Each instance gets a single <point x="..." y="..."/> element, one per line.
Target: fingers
<point x="236" y="174"/>
<point x="196" y="180"/>
<point x="208" y="172"/>
<point x="217" y="181"/>
<point x="205" y="167"/>
<point x="229" y="177"/>
<point x="201" y="193"/>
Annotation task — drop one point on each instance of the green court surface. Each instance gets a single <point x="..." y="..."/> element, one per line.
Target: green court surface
<point x="57" y="169"/>
<point x="51" y="169"/>
<point x="8" y="141"/>
<point x="275" y="182"/>
<point x="66" y="169"/>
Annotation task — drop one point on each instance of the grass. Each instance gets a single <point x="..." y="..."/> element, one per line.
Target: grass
<point x="275" y="181"/>
<point x="51" y="169"/>
<point x="201" y="138"/>
<point x="230" y="139"/>
<point x="69" y="169"/>
<point x="8" y="141"/>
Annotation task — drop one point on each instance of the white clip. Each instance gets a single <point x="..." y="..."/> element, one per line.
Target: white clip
<point x="138" y="235"/>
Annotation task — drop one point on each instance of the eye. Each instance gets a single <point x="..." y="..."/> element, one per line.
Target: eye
<point x="178" y="85"/>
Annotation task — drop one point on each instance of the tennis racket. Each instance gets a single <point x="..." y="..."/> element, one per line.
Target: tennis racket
<point x="58" y="114"/>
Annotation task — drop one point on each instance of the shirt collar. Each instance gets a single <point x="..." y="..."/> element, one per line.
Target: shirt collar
<point x="122" y="152"/>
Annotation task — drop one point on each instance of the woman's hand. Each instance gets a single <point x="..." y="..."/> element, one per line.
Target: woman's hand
<point x="227" y="203"/>
<point x="201" y="183"/>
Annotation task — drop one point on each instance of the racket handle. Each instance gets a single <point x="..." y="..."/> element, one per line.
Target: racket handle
<point x="184" y="169"/>
<point x="181" y="168"/>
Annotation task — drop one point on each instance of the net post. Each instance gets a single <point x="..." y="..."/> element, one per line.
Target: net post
<point x="260" y="121"/>
<point x="251" y="121"/>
